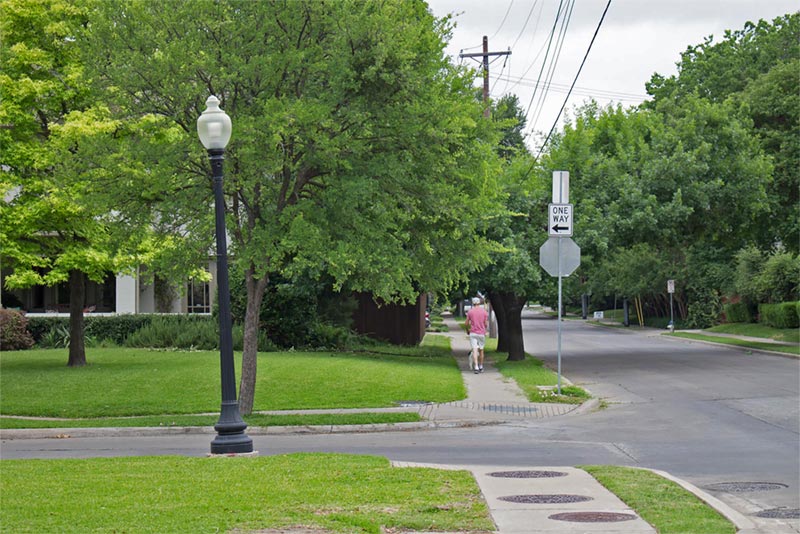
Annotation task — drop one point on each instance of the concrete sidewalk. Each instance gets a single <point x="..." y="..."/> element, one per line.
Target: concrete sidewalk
<point x="490" y="396"/>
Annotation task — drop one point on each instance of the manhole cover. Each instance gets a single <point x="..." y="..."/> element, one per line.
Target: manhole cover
<point x="545" y="499"/>
<point x="592" y="517"/>
<point x="780" y="513"/>
<point x="527" y="474"/>
<point x="746" y="487"/>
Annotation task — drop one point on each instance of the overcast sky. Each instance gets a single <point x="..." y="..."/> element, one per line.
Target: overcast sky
<point x="637" y="39"/>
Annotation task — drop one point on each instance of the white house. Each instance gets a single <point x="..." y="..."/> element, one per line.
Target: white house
<point x="117" y="294"/>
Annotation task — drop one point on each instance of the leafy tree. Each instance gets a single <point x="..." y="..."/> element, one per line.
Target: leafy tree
<point x="515" y="275"/>
<point x="50" y="234"/>
<point x="774" y="104"/>
<point x="663" y="186"/>
<point x="759" y="66"/>
<point x="511" y="118"/>
<point x="715" y="71"/>
<point x="356" y="149"/>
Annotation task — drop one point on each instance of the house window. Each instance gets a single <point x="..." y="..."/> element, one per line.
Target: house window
<point x="199" y="297"/>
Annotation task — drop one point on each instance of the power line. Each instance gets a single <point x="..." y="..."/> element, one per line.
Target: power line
<point x="526" y="23"/>
<point x="553" y="63"/>
<point x="580" y="91"/>
<point x="502" y="69"/>
<point x="544" y="62"/>
<point x="504" y="19"/>
<point x="599" y="24"/>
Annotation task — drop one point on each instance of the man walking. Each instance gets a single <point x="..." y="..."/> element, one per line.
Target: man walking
<point x="477" y="322"/>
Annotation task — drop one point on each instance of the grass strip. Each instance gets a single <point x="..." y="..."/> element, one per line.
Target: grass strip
<point x="789" y="335"/>
<point x="120" y="382"/>
<point x="664" y="504"/>
<point x="339" y="493"/>
<point x="774" y="347"/>
<point x="7" y="423"/>
<point x="531" y="373"/>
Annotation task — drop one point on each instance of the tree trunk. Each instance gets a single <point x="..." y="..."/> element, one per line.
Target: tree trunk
<point x="252" y="322"/>
<point x="500" y="313"/>
<point x="513" y="305"/>
<point x="77" y="295"/>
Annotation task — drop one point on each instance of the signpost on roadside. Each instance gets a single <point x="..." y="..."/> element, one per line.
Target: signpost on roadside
<point x="560" y="255"/>
<point x="671" y="290"/>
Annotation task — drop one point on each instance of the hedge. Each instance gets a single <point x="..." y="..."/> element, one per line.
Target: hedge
<point x="738" y="312"/>
<point x="783" y="315"/>
<point x="114" y="328"/>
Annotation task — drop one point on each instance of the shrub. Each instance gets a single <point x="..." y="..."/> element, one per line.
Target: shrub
<point x="330" y="337"/>
<point x="783" y="315"/>
<point x="115" y="328"/>
<point x="704" y="311"/>
<point x="738" y="312"/>
<point x="40" y="326"/>
<point x="56" y="338"/>
<point x="177" y="331"/>
<point x="14" y="334"/>
<point x="781" y="276"/>
<point x="48" y="331"/>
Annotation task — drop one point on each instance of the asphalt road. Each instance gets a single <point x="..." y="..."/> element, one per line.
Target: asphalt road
<point x="704" y="413"/>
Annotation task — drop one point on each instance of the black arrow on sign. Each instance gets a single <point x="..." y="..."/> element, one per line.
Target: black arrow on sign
<point x="558" y="228"/>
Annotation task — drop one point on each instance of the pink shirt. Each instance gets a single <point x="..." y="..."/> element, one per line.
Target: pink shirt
<point x="478" y="320"/>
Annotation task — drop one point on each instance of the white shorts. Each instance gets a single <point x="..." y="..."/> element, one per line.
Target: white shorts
<point x="477" y="341"/>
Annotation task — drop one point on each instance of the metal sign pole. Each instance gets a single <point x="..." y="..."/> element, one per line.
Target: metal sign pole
<point x="559" y="316"/>
<point x="671" y="316"/>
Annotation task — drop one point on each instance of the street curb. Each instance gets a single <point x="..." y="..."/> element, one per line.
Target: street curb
<point x="586" y="407"/>
<point x="734" y="347"/>
<point x="113" y="432"/>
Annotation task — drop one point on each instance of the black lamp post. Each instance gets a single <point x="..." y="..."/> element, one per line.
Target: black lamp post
<point x="214" y="129"/>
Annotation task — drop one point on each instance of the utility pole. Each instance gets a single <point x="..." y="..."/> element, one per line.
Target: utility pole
<point x="485" y="55"/>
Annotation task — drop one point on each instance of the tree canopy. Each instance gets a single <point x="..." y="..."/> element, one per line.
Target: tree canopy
<point x="357" y="148"/>
<point x="49" y="234"/>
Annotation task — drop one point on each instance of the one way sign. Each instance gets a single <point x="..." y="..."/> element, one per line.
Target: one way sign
<point x="560" y="220"/>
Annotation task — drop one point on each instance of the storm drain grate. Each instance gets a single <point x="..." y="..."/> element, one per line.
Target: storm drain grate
<point x="780" y="513"/>
<point x="745" y="487"/>
<point x="527" y="474"/>
<point x="545" y="499"/>
<point x="592" y="517"/>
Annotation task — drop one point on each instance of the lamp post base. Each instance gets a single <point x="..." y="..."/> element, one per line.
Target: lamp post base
<point x="231" y="438"/>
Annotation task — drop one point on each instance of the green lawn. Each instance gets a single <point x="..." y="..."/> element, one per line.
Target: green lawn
<point x="122" y="382"/>
<point x="661" y="502"/>
<point x="340" y="493"/>
<point x="790" y="335"/>
<point x="788" y="349"/>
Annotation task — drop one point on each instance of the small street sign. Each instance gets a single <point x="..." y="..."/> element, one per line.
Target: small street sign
<point x="560" y="220"/>
<point x="560" y="187"/>
<point x="570" y="256"/>
<point x="670" y="286"/>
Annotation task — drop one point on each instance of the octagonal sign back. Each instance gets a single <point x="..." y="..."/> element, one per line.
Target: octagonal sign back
<point x="570" y="256"/>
